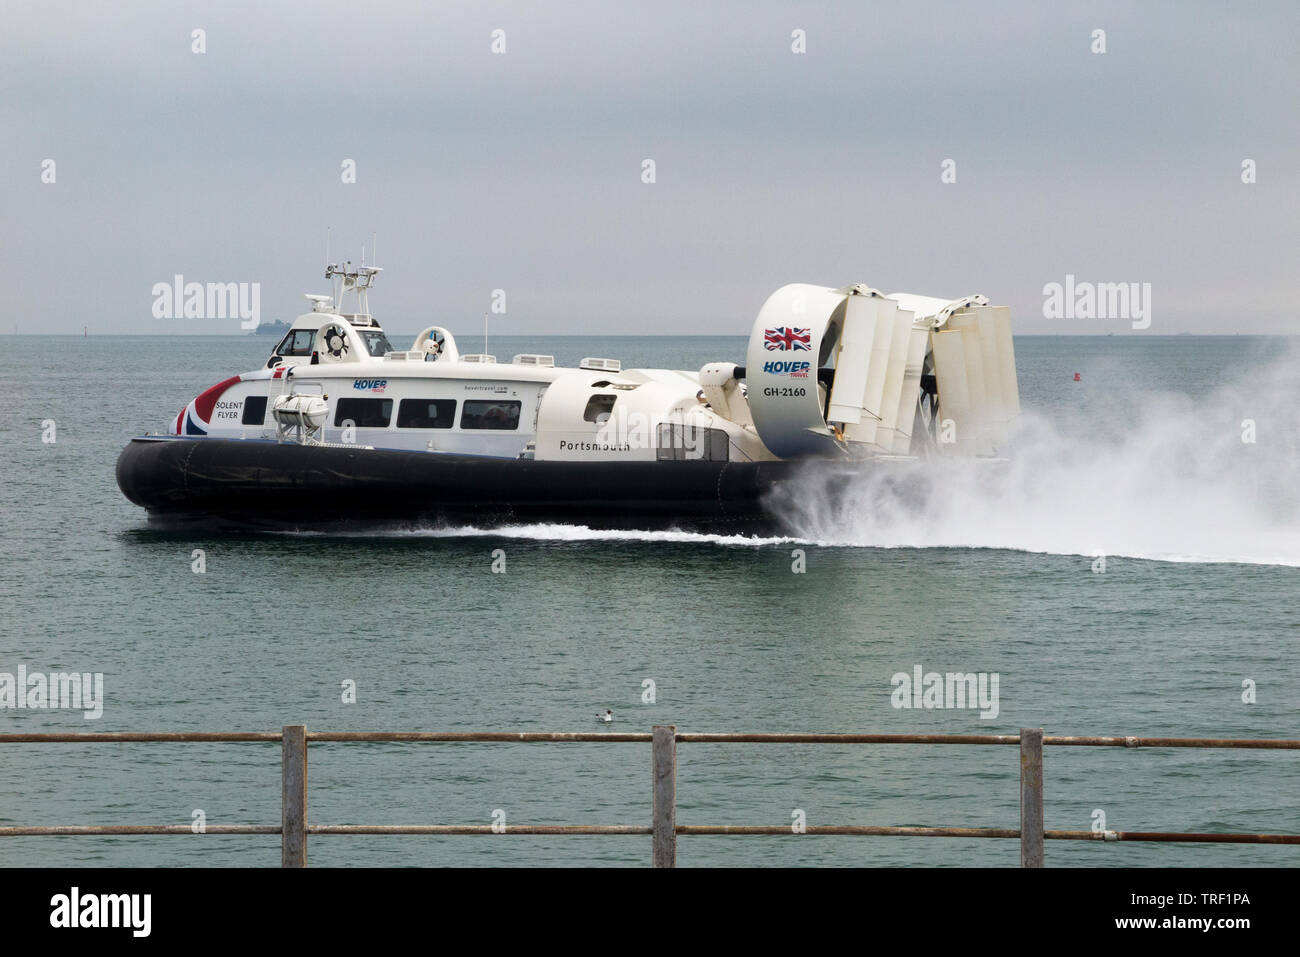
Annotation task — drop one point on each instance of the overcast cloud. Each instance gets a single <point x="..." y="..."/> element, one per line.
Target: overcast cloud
<point x="523" y="171"/>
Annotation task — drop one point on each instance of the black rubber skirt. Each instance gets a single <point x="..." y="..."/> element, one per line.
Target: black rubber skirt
<point x="260" y="483"/>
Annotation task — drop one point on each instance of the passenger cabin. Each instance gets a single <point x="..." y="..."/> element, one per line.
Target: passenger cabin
<point x="433" y="398"/>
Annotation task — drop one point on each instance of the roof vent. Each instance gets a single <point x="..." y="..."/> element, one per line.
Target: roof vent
<point x="601" y="365"/>
<point x="478" y="357"/>
<point x="533" y="360"/>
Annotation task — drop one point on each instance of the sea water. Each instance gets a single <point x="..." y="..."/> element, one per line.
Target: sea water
<point x="1133" y="570"/>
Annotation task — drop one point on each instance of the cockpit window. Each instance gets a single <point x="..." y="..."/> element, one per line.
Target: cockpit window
<point x="296" y="343"/>
<point x="377" y="343"/>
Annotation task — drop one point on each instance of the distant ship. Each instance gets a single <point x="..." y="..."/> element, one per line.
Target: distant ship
<point x="271" y="329"/>
<point x="340" y="427"/>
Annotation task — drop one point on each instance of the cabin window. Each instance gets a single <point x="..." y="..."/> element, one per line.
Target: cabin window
<point x="364" y="413"/>
<point x="598" y="406"/>
<point x="297" y="343"/>
<point x="680" y="443"/>
<point x="426" y="414"/>
<point x="490" y="414"/>
<point x="254" y="410"/>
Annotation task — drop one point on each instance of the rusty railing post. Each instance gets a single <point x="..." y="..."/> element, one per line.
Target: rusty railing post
<point x="664" y="760"/>
<point x="1031" y="797"/>
<point x="293" y="797"/>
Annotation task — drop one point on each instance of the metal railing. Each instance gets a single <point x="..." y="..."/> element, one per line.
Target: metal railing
<point x="663" y="829"/>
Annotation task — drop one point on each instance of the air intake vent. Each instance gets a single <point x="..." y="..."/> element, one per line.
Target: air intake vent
<point x="478" y="357"/>
<point x="601" y="365"/>
<point x="532" y="360"/>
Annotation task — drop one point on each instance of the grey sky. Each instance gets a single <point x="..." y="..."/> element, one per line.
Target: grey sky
<point x="522" y="171"/>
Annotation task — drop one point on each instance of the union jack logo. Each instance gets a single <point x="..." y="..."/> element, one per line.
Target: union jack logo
<point x="787" y="339"/>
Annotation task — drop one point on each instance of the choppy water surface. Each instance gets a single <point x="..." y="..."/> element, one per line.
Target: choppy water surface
<point x="1142" y="460"/>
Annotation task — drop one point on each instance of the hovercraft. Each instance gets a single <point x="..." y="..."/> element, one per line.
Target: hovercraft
<point x="341" y="429"/>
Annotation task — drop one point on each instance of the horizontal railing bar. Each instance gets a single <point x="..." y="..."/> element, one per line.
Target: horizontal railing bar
<point x="609" y="737"/>
<point x="859" y="830"/>
<point x="483" y="736"/>
<point x="1173" y="837"/>
<point x="1285" y="744"/>
<point x="1128" y="741"/>
<point x="91" y="829"/>
<point x="468" y="829"/>
<point x="108" y="737"/>
<point x="886" y="831"/>
<point x="844" y="738"/>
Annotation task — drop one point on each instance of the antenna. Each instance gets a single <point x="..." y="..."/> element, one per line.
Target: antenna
<point x="485" y="351"/>
<point x="327" y="247"/>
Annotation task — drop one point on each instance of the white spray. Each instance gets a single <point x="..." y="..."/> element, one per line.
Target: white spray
<point x="1159" y="476"/>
